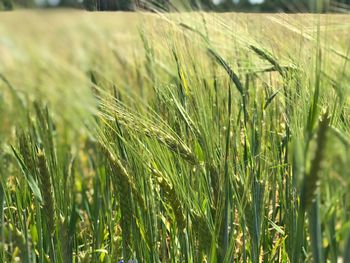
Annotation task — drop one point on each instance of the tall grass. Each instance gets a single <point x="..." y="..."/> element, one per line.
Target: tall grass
<point x="207" y="139"/>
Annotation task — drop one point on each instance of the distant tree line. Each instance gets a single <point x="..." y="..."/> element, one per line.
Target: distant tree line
<point x="223" y="5"/>
<point x="207" y="5"/>
<point x="7" y="5"/>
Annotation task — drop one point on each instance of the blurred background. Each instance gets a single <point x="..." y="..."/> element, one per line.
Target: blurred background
<point x="290" y="6"/>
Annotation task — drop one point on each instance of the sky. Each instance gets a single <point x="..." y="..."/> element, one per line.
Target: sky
<point x="251" y="1"/>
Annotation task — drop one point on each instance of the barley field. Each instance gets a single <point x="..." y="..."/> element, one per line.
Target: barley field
<point x="187" y="137"/>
